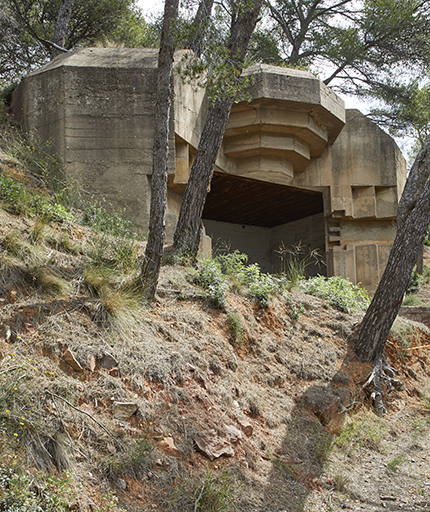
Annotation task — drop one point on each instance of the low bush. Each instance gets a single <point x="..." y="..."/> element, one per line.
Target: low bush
<point x="230" y="269"/>
<point x="19" y="199"/>
<point x="340" y="292"/>
<point x="213" y="280"/>
<point x="110" y="223"/>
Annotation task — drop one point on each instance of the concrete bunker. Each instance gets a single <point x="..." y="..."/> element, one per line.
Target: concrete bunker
<point x="294" y="164"/>
<point x="259" y="218"/>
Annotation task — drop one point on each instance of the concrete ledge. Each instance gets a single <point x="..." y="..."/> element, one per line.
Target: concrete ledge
<point x="416" y="314"/>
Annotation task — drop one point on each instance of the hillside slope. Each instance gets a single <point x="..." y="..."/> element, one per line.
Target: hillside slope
<point x="108" y="404"/>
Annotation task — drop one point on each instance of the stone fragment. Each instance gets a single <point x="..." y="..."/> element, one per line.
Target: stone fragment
<point x="246" y="427"/>
<point x="124" y="410"/>
<point x="92" y="363"/>
<point x="113" y="372"/>
<point x="111" y="448"/>
<point x="5" y="332"/>
<point x="70" y="359"/>
<point x="211" y="445"/>
<point x="146" y="392"/>
<point x="122" y="484"/>
<point x="109" y="362"/>
<point x="233" y="433"/>
<point x="88" y="409"/>
<point x="167" y="446"/>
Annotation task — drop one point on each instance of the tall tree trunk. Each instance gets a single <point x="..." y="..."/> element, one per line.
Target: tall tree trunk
<point x="188" y="230"/>
<point x="412" y="224"/>
<point x="200" y="23"/>
<point x="157" y="232"/>
<point x="61" y="25"/>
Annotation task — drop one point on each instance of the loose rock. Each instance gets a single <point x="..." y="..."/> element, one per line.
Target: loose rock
<point x="212" y="446"/>
<point x="124" y="410"/>
<point x="167" y="446"/>
<point x="70" y="359"/>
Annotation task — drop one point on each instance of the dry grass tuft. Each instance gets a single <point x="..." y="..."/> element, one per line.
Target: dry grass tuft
<point x="51" y="282"/>
<point x="120" y="310"/>
<point x="13" y="273"/>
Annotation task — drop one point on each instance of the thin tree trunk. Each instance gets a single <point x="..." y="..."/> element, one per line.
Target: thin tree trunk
<point x="188" y="230"/>
<point x="157" y="232"/>
<point x="412" y="224"/>
<point x="61" y="25"/>
<point x="200" y="23"/>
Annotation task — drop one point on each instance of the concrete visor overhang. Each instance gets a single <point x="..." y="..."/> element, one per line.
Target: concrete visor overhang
<point x="291" y="115"/>
<point x="257" y="203"/>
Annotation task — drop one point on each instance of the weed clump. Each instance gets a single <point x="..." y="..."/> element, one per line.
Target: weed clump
<point x="230" y="270"/>
<point x="214" y="493"/>
<point x="235" y="322"/>
<point x="19" y="199"/>
<point x="340" y="292"/>
<point x="110" y="223"/>
<point x="213" y="280"/>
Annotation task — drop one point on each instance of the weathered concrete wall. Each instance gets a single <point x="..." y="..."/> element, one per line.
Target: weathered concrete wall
<point x="262" y="244"/>
<point x="361" y="176"/>
<point x="97" y="108"/>
<point x="251" y="240"/>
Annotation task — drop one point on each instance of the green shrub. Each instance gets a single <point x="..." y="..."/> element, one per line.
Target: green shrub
<point x="262" y="286"/>
<point x="19" y="494"/>
<point x="233" y="265"/>
<point x="297" y="308"/>
<point x="111" y="223"/>
<point x="19" y="199"/>
<point x="412" y="300"/>
<point x="213" y="280"/>
<point x="414" y="282"/>
<point x="340" y="292"/>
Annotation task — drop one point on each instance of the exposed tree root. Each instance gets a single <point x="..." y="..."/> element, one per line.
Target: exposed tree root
<point x="382" y="378"/>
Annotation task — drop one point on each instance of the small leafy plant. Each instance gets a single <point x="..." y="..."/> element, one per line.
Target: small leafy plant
<point x="213" y="280"/>
<point x="19" y="199"/>
<point x="394" y="463"/>
<point x="340" y="292"/>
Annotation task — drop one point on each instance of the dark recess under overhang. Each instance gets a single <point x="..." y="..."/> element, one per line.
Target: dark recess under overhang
<point x="258" y="203"/>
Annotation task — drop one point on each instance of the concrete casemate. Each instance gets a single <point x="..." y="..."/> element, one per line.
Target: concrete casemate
<point x="295" y="167"/>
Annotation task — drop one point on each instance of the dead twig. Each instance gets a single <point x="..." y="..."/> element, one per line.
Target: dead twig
<point x="89" y="416"/>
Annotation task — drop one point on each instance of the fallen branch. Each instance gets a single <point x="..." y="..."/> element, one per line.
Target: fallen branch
<point x="89" y="415"/>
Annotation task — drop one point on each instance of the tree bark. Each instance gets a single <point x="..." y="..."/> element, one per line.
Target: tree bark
<point x="200" y="23"/>
<point x="188" y="230"/>
<point x="412" y="223"/>
<point x="157" y="232"/>
<point x="61" y="25"/>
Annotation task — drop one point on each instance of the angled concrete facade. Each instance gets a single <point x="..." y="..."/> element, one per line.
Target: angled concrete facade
<point x="295" y="166"/>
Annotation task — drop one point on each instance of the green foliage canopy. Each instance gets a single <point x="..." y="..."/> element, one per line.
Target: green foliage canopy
<point x="27" y="27"/>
